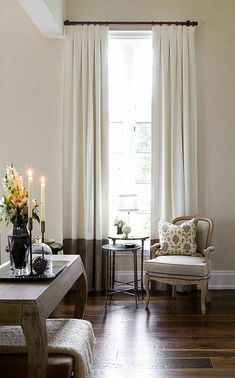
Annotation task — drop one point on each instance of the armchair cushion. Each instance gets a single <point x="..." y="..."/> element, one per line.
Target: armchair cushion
<point x="178" y="265"/>
<point x="178" y="240"/>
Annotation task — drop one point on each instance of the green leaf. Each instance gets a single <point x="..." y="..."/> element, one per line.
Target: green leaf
<point x="35" y="216"/>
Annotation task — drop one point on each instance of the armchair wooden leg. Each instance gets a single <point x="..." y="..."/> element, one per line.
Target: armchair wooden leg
<point x="208" y="296"/>
<point x="173" y="293"/>
<point x="146" y="282"/>
<point x="203" y="296"/>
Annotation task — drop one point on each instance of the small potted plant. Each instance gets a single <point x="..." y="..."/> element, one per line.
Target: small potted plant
<point x="119" y="224"/>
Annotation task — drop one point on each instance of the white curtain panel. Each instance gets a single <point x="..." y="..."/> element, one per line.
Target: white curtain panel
<point x="85" y="145"/>
<point x="174" y="124"/>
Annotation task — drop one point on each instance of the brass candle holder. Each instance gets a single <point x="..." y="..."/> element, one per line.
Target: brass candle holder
<point x="30" y="227"/>
<point x="43" y="230"/>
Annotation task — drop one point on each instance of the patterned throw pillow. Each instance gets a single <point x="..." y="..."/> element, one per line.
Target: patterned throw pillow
<point x="177" y="240"/>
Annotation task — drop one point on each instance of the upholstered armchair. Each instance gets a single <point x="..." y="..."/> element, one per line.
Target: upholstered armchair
<point x="184" y="265"/>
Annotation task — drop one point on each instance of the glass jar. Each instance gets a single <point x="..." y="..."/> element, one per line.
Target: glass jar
<point x="41" y="258"/>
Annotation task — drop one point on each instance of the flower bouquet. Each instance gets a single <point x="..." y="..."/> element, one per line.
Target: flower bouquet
<point x="14" y="209"/>
<point x="119" y="223"/>
<point x="14" y="205"/>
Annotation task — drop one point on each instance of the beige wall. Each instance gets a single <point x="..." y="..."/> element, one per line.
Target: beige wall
<point x="216" y="97"/>
<point x="31" y="69"/>
<point x="31" y="107"/>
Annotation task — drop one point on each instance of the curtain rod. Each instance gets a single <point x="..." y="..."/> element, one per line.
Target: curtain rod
<point x="185" y="23"/>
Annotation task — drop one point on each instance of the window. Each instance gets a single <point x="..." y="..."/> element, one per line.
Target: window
<point x="130" y="70"/>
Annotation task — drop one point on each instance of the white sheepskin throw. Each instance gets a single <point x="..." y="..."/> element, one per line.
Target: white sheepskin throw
<point x="74" y="337"/>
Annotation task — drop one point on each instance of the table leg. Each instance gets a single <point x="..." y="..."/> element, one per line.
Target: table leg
<point x="81" y="296"/>
<point x="135" y="277"/>
<point x="34" y="328"/>
<point x="110" y="272"/>
<point x="113" y="270"/>
<point x="110" y="269"/>
<point x="142" y="268"/>
<point x="107" y="275"/>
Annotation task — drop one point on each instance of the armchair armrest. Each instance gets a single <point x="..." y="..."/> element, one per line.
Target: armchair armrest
<point x="153" y="249"/>
<point x="206" y="252"/>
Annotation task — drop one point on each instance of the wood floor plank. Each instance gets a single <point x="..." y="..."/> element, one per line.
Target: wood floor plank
<point x="157" y="363"/>
<point x="153" y="373"/>
<point x="223" y="362"/>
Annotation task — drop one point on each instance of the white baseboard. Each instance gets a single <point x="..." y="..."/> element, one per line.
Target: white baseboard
<point x="220" y="279"/>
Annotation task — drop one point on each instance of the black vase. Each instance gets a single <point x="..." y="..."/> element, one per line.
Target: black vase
<point x="18" y="244"/>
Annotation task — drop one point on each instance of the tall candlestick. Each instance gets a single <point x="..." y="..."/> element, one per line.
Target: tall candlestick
<point x="42" y="199"/>
<point x="30" y="227"/>
<point x="30" y="194"/>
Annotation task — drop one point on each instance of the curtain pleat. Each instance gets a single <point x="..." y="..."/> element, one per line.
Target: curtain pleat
<point x="85" y="147"/>
<point x="174" y="124"/>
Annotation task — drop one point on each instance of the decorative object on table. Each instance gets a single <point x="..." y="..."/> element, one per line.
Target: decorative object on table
<point x="128" y="202"/>
<point x="56" y="247"/>
<point x="119" y="223"/>
<point x="30" y="219"/>
<point x="6" y="272"/>
<point x="15" y="207"/>
<point x="41" y="258"/>
<point x="18" y="243"/>
<point x="39" y="265"/>
<point x="43" y="208"/>
<point x="130" y="245"/>
<point x="126" y="230"/>
<point x="48" y="241"/>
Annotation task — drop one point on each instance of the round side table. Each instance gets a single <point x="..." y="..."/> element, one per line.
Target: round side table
<point x="134" y="238"/>
<point x="112" y="285"/>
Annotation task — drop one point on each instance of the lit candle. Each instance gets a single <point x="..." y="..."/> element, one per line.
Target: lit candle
<point x="30" y="193"/>
<point x="42" y="199"/>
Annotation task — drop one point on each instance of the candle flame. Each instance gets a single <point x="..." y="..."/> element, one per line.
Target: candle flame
<point x="30" y="172"/>
<point x="43" y="180"/>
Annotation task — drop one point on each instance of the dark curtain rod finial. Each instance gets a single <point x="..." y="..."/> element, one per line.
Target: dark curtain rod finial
<point x="183" y="23"/>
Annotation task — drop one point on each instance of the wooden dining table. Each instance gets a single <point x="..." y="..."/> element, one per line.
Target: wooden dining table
<point x="29" y="303"/>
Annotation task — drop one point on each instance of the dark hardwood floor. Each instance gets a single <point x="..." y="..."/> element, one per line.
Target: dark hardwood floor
<point x="173" y="339"/>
